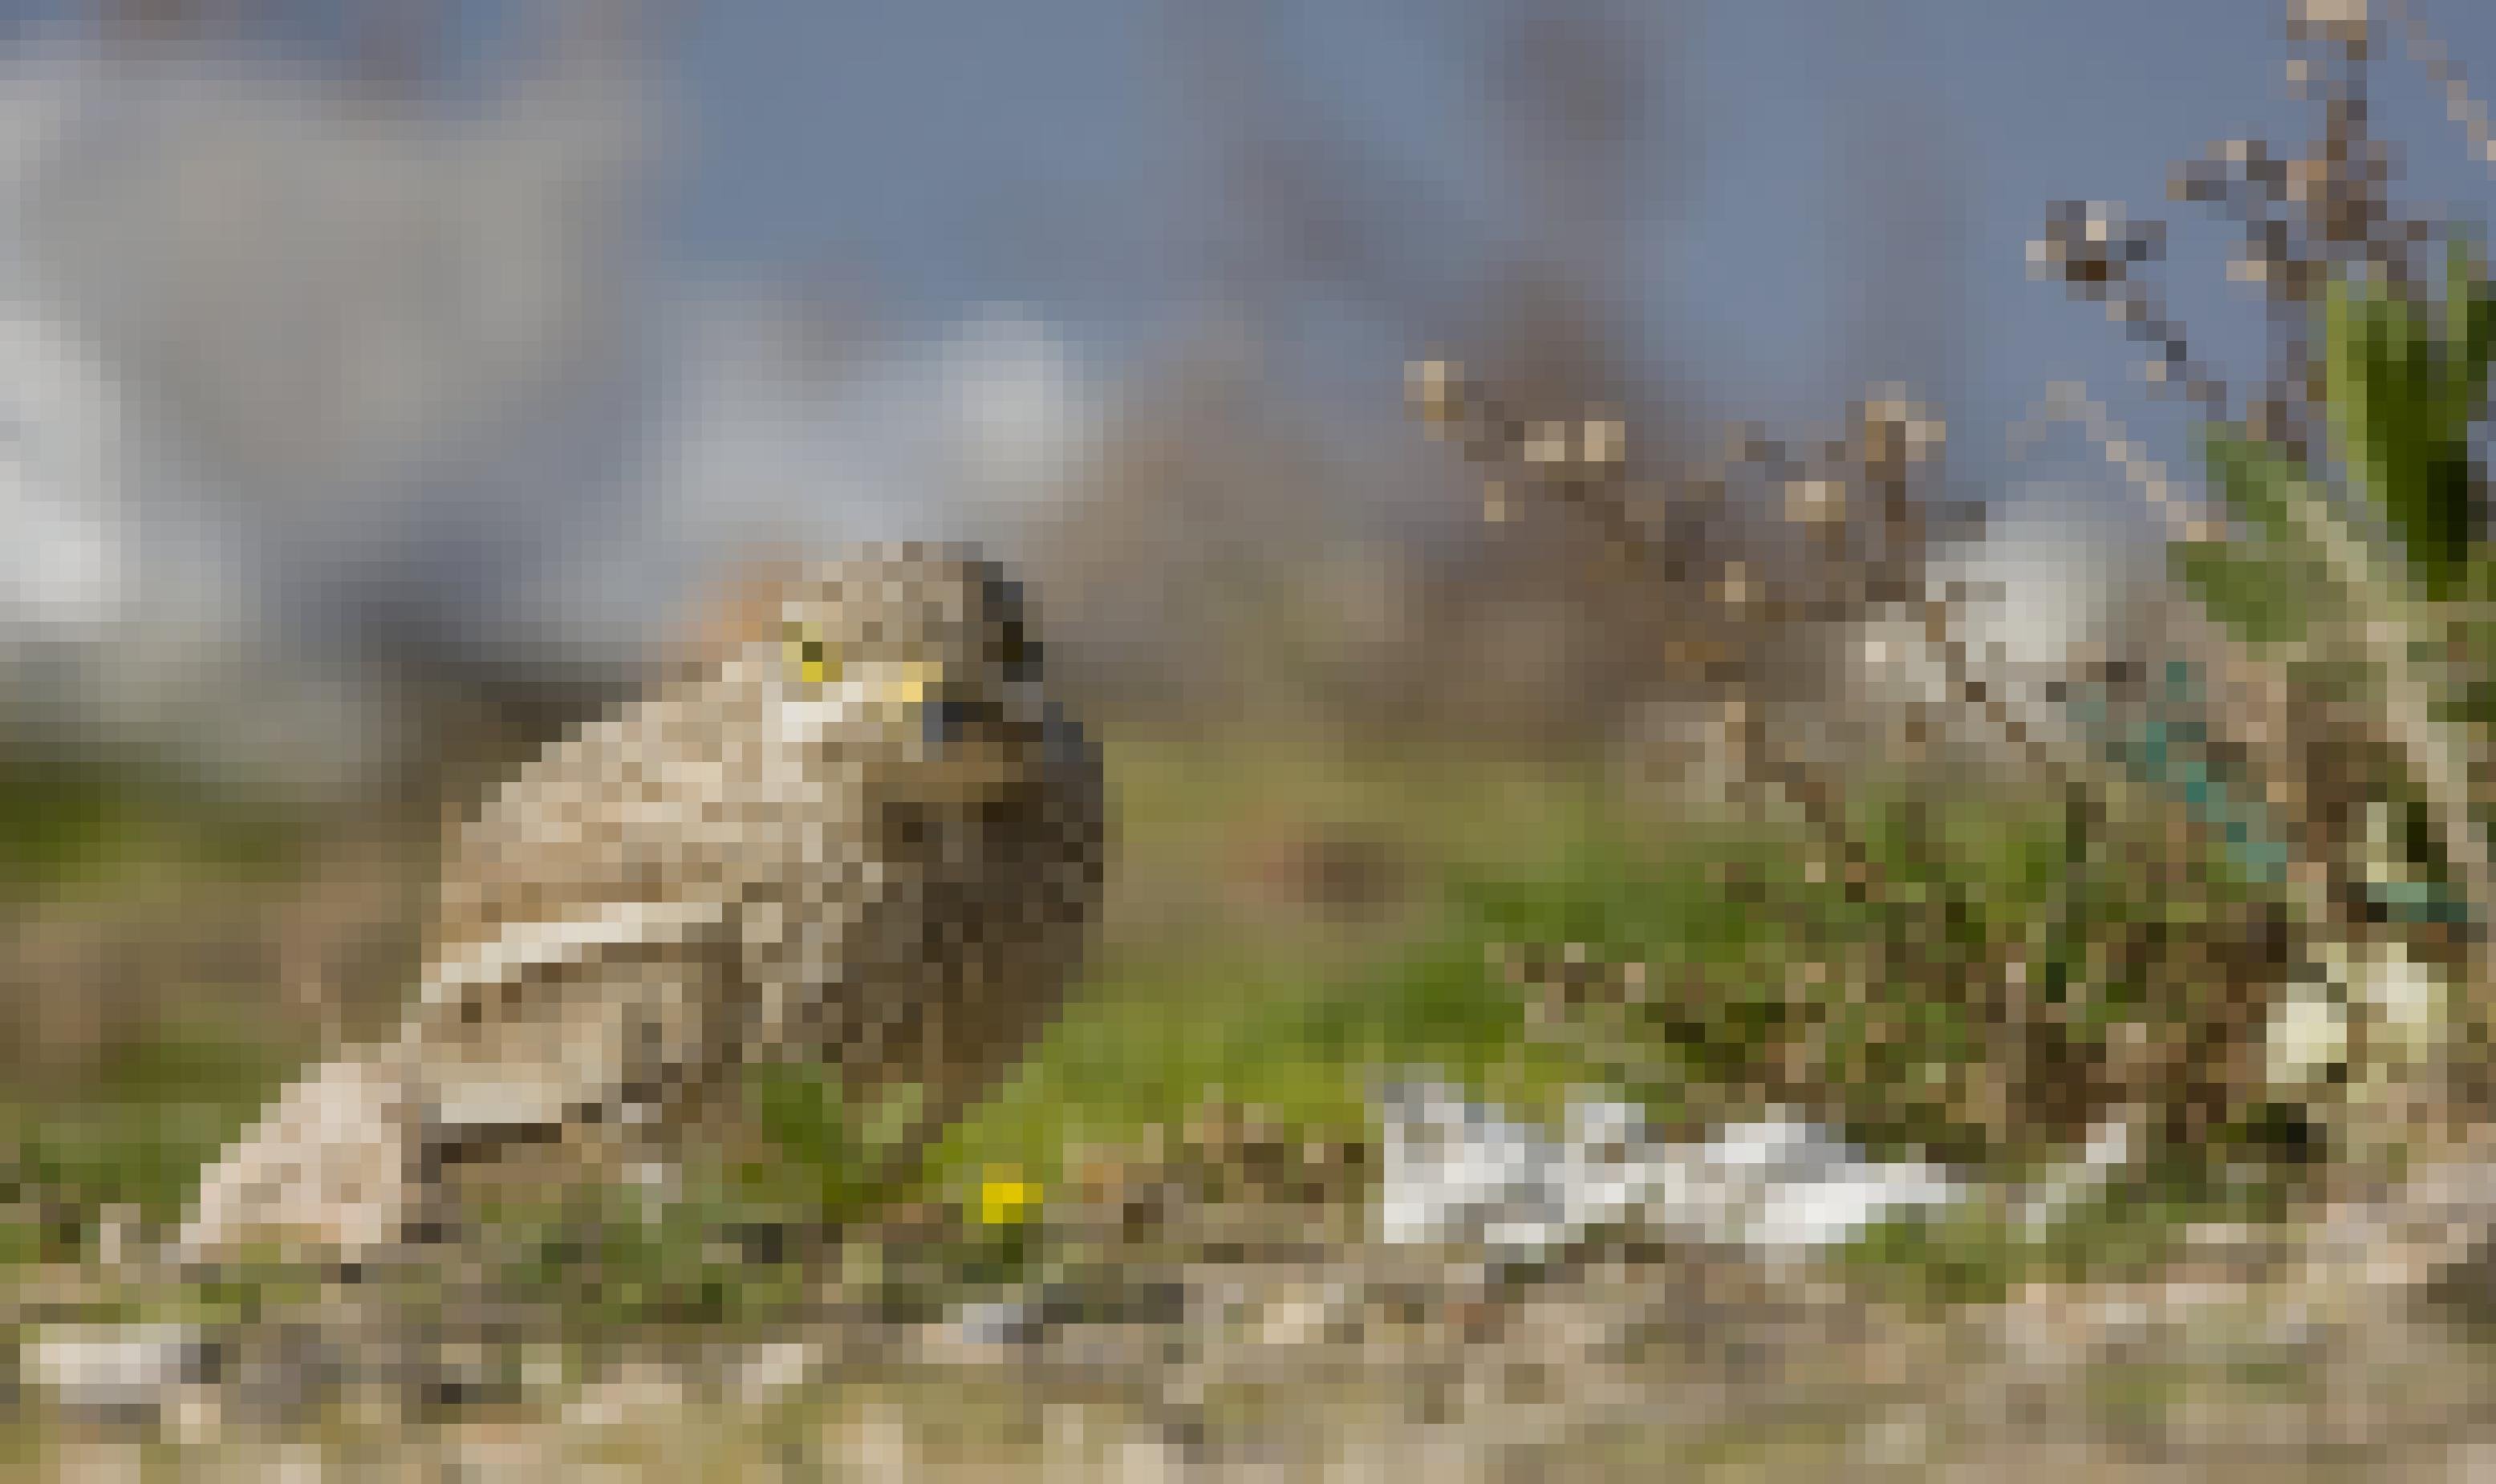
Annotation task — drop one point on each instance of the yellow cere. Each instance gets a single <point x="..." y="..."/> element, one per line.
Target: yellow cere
<point x="1006" y="1200"/>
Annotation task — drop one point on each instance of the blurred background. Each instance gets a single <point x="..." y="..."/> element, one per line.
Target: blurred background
<point x="383" y="382"/>
<point x="1745" y="700"/>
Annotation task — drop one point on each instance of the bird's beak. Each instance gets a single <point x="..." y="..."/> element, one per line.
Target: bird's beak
<point x="901" y="693"/>
<point x="907" y="687"/>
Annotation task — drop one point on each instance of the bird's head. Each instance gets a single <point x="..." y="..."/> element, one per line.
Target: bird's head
<point x="912" y="659"/>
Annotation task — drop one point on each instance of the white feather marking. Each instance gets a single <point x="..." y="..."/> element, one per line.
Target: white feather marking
<point x="534" y="944"/>
<point x="805" y="715"/>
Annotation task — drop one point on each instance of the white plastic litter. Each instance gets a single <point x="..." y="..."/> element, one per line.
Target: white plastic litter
<point x="1456" y="1171"/>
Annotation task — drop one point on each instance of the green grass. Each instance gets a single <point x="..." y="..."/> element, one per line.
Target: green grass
<point x="1269" y="1024"/>
<point x="76" y="821"/>
<point x="159" y="1109"/>
<point x="1297" y="1020"/>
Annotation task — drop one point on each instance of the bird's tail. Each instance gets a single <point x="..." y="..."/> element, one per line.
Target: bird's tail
<point x="330" y="1170"/>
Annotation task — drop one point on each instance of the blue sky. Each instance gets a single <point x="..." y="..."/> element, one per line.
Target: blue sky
<point x="945" y="154"/>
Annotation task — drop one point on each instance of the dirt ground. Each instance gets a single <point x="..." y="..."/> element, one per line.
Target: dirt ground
<point x="1280" y="1351"/>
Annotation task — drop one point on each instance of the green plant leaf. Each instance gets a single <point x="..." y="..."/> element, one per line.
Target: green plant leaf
<point x="2478" y="340"/>
<point x="2262" y="598"/>
<point x="2253" y="477"/>
<point x="2402" y="396"/>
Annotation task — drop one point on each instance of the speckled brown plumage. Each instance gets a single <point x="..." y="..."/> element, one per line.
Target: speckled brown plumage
<point x="852" y="827"/>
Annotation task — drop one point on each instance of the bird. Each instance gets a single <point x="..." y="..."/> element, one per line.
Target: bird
<point x="848" y="825"/>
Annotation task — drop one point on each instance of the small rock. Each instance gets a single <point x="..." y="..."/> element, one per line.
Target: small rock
<point x="120" y="1368"/>
<point x="774" y="1369"/>
<point x="639" y="1393"/>
<point x="999" y="1323"/>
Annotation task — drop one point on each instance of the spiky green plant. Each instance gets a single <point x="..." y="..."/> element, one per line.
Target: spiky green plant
<point x="2359" y="567"/>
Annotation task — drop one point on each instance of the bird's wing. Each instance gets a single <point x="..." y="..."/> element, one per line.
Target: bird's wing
<point x="584" y="941"/>
<point x="632" y="825"/>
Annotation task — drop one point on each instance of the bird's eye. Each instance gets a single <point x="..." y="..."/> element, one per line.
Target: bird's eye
<point x="1015" y="653"/>
<point x="815" y="661"/>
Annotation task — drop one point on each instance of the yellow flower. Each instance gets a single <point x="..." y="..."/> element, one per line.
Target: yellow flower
<point x="1005" y="1199"/>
